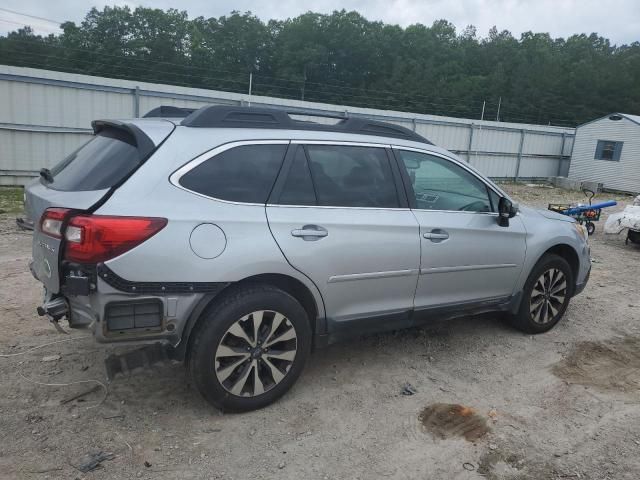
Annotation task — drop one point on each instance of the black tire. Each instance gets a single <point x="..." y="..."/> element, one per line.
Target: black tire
<point x="591" y="228"/>
<point x="213" y="327"/>
<point x="525" y="320"/>
<point x="634" y="236"/>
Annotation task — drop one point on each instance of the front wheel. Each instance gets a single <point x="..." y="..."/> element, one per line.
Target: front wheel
<point x="250" y="348"/>
<point x="545" y="296"/>
<point x="591" y="228"/>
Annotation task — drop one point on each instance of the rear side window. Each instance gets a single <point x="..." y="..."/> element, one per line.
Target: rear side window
<point x="240" y="174"/>
<point x="346" y="176"/>
<point x="100" y="163"/>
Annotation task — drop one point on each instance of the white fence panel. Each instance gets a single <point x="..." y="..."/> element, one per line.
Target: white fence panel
<point x="45" y="115"/>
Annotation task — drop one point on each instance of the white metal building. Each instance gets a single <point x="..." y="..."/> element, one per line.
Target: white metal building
<point x="607" y="151"/>
<point x="45" y="115"/>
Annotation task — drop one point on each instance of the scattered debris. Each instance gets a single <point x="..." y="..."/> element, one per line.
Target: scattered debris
<point x="34" y="418"/>
<point x="408" y="389"/>
<point x="493" y="415"/>
<point x="141" y="358"/>
<point x="46" y="470"/>
<point x="92" y="460"/>
<point x="51" y="358"/>
<point x="147" y="464"/>
<point x="281" y="465"/>
<point x="113" y="416"/>
<point x="95" y="388"/>
<point x="468" y="466"/>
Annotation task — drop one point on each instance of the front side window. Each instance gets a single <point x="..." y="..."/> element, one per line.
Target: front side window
<point x="439" y="184"/>
<point x="351" y="176"/>
<point x="241" y="174"/>
<point x="608" y="150"/>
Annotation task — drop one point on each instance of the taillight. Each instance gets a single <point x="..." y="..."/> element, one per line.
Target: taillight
<point x="52" y="221"/>
<point x="97" y="238"/>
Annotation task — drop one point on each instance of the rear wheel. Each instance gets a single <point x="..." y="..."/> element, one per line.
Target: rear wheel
<point x="591" y="227"/>
<point x="250" y="348"/>
<point x="546" y="295"/>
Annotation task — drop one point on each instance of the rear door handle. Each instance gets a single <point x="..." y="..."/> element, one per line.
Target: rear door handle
<point x="310" y="232"/>
<point x="436" y="235"/>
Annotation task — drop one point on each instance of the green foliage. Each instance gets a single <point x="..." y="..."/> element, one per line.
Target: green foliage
<point x="346" y="59"/>
<point x="11" y="200"/>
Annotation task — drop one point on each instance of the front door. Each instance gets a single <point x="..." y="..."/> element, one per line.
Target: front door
<point x="339" y="217"/>
<point x="466" y="257"/>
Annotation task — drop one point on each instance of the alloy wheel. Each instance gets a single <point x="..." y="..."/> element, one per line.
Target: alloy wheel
<point x="256" y="353"/>
<point x="548" y="295"/>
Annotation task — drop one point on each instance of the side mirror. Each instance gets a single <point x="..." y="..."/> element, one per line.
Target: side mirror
<point x="506" y="210"/>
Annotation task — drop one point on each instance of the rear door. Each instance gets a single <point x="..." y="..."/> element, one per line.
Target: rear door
<point x="339" y="217"/>
<point x="467" y="258"/>
<point x="80" y="181"/>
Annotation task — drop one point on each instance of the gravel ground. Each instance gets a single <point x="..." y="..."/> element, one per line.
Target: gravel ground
<point x="489" y="402"/>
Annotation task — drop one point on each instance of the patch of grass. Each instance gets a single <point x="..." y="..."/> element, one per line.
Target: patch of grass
<point x="11" y="200"/>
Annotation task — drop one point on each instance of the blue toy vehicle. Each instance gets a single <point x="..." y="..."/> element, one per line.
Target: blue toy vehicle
<point x="584" y="214"/>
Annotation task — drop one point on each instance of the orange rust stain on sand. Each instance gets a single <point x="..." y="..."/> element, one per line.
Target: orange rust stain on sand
<point x="448" y="420"/>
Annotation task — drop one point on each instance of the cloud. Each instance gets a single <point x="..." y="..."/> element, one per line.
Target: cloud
<point x="618" y="20"/>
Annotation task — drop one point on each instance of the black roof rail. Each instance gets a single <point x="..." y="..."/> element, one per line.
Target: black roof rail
<point x="169" y="111"/>
<point x="223" y="116"/>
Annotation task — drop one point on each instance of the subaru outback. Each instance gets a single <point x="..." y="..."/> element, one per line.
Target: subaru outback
<point x="242" y="238"/>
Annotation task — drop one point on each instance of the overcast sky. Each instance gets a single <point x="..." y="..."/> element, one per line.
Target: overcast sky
<point x="618" y="20"/>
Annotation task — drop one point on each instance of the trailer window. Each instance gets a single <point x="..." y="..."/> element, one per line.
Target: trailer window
<point x="608" y="150"/>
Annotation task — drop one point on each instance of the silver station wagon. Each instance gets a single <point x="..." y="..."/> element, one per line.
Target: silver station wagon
<point x="242" y="238"/>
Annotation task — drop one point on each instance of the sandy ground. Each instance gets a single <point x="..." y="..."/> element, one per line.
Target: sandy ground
<point x="490" y="402"/>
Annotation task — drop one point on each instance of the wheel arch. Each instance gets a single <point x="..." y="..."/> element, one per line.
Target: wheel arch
<point x="293" y="286"/>
<point x="569" y="254"/>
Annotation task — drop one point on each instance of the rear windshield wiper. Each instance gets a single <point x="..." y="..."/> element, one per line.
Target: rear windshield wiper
<point x="46" y="174"/>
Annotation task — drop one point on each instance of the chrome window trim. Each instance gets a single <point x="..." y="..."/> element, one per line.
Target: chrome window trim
<point x="465" y="268"/>
<point x="391" y="209"/>
<point x="175" y="177"/>
<point x="458" y="163"/>
<point x="345" y="143"/>
<point x="372" y="275"/>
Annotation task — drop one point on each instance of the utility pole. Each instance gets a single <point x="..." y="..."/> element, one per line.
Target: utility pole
<point x="498" y="114"/>
<point x="483" y="104"/>
<point x="304" y="81"/>
<point x="250" y="86"/>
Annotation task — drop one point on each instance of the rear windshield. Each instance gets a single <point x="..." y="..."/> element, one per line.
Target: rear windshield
<point x="100" y="163"/>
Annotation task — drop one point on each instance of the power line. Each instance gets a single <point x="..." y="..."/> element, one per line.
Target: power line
<point x="298" y="82"/>
<point x="429" y="100"/>
<point x="365" y="100"/>
<point x="30" y="16"/>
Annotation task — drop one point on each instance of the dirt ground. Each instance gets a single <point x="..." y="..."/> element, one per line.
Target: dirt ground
<point x="489" y="402"/>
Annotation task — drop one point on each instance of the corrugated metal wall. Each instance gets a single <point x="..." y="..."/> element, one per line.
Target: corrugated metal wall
<point x="623" y="175"/>
<point x="44" y="115"/>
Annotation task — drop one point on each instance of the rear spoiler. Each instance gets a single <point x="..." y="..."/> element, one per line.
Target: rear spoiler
<point x="143" y="143"/>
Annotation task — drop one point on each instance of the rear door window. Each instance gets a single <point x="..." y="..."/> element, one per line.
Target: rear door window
<point x="351" y="176"/>
<point x="100" y="163"/>
<point x="241" y="174"/>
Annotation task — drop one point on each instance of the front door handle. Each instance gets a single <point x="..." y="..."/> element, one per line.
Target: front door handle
<point x="310" y="232"/>
<point x="436" y="235"/>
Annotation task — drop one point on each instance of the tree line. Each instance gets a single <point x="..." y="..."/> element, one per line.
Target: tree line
<point x="343" y="58"/>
